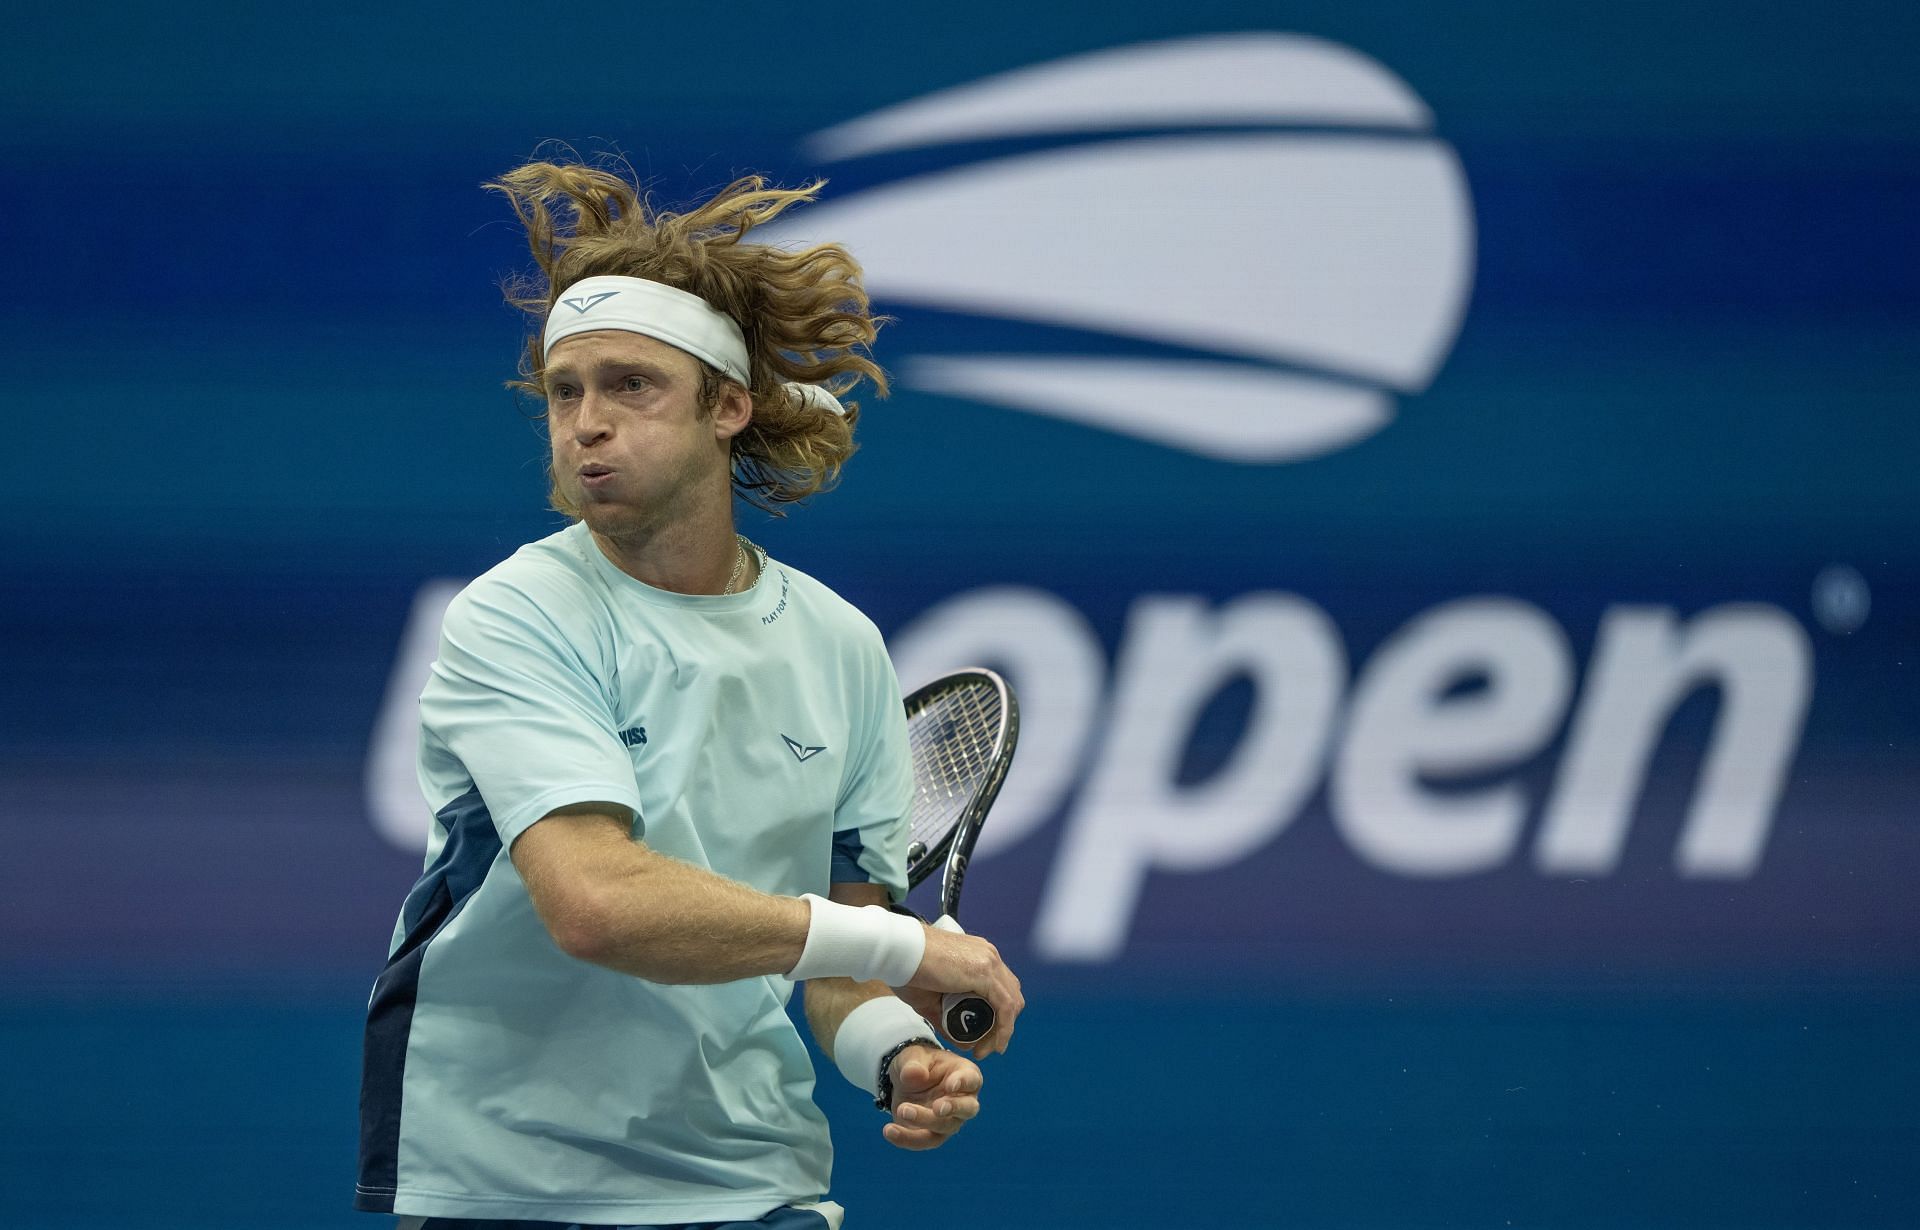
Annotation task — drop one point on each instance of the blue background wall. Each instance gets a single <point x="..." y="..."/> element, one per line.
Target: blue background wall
<point x="253" y="353"/>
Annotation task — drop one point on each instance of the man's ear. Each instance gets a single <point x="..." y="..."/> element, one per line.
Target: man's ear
<point x="732" y="411"/>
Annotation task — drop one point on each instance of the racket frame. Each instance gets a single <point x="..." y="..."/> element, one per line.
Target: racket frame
<point x="955" y="850"/>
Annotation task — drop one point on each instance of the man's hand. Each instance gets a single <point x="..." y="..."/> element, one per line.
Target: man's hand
<point x="969" y="963"/>
<point x="934" y="1093"/>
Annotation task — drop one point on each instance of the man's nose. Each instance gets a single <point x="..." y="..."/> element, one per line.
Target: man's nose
<point x="591" y="424"/>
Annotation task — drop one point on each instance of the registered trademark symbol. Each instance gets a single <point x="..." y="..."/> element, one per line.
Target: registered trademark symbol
<point x="1841" y="599"/>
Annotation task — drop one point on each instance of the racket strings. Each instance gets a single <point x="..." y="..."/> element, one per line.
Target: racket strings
<point x="951" y="738"/>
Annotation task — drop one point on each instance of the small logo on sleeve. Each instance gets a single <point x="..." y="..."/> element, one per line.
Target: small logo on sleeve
<point x="634" y="736"/>
<point x="800" y="750"/>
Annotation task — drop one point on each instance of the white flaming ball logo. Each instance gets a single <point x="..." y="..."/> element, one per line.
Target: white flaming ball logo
<point x="1302" y="246"/>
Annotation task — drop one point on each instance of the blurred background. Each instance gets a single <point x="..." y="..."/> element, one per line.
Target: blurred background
<point x="1439" y="475"/>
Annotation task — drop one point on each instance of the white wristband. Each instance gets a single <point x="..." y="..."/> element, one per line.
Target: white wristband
<point x="860" y="942"/>
<point x="869" y="1032"/>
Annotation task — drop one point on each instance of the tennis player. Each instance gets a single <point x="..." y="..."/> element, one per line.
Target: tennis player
<point x="669" y="774"/>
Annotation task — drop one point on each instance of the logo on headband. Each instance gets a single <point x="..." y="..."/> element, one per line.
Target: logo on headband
<point x="586" y="301"/>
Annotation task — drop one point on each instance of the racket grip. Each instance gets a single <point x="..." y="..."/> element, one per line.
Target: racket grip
<point x="964" y="1017"/>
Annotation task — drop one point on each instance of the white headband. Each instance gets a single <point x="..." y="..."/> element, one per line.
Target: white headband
<point x="671" y="315"/>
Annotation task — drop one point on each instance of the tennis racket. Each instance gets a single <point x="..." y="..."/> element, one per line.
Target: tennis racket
<point x="961" y="729"/>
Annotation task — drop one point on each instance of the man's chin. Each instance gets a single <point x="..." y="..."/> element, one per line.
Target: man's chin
<point x="608" y="518"/>
<point x="600" y="515"/>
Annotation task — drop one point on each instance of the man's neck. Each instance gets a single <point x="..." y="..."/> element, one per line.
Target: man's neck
<point x="688" y="556"/>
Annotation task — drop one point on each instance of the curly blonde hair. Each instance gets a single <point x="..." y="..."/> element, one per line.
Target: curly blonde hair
<point x="805" y="314"/>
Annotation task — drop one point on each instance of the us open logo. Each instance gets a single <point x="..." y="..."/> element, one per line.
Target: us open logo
<point x="1252" y="246"/>
<point x="1268" y="220"/>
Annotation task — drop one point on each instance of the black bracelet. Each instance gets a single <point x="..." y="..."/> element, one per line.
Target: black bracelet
<point x="885" y="1100"/>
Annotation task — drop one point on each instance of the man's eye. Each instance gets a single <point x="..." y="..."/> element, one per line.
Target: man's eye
<point x="562" y="392"/>
<point x="636" y="384"/>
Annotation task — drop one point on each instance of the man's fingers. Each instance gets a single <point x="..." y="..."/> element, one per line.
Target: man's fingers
<point x="943" y="1117"/>
<point x="959" y="1109"/>
<point x="955" y="962"/>
<point x="911" y="1138"/>
<point x="947" y="1114"/>
<point x="1007" y="1007"/>
<point x="947" y="1098"/>
<point x="915" y="1075"/>
<point x="1002" y="1037"/>
<point x="995" y="1042"/>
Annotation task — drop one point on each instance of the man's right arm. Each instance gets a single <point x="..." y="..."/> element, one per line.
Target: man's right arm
<point x="608" y="899"/>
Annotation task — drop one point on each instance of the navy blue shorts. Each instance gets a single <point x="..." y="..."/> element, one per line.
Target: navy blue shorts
<point x="825" y="1217"/>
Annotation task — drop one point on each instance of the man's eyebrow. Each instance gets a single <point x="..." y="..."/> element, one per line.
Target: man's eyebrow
<point x="602" y="366"/>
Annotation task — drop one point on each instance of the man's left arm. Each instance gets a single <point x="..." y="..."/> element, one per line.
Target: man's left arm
<point x="935" y="1091"/>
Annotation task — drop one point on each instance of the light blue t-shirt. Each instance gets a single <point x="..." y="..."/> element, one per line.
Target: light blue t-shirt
<point x="758" y="735"/>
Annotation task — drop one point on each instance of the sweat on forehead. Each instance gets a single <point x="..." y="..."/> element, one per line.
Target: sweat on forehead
<point x="651" y="309"/>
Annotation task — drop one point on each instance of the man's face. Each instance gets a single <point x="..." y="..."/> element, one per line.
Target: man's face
<point x="630" y="442"/>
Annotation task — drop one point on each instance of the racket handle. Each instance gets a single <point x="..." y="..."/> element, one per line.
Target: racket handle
<point x="964" y="1017"/>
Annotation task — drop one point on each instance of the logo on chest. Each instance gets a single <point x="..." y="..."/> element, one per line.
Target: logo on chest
<point x="634" y="736"/>
<point x="800" y="750"/>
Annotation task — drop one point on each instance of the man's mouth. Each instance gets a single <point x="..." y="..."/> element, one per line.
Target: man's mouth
<point x="594" y="475"/>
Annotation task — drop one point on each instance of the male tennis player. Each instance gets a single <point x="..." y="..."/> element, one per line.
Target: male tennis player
<point x="669" y="775"/>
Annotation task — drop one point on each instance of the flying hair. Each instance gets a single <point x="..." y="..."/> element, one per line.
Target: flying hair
<point x="805" y="314"/>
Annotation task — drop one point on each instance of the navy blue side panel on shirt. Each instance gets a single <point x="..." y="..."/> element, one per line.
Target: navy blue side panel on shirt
<point x="472" y="845"/>
<point x="847" y="848"/>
